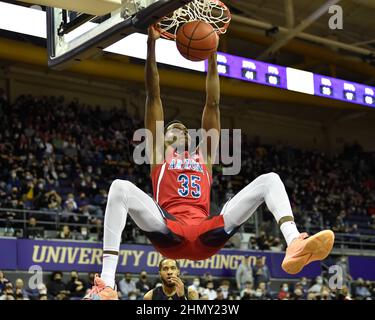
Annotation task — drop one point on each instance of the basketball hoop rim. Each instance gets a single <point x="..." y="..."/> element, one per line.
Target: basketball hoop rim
<point x="168" y="35"/>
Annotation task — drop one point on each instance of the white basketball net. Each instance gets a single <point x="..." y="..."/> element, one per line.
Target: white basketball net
<point x="213" y="12"/>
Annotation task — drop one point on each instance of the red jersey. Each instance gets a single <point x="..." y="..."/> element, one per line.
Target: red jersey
<point x="182" y="186"/>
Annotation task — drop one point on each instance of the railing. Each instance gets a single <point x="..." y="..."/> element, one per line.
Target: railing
<point x="354" y="241"/>
<point x="56" y="219"/>
<point x="15" y="224"/>
<point x="27" y="214"/>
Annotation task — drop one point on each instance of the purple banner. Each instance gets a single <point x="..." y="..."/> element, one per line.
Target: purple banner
<point x="362" y="267"/>
<point x="8" y="254"/>
<point x="86" y="257"/>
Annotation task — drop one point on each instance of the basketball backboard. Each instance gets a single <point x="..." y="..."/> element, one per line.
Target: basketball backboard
<point x="79" y="29"/>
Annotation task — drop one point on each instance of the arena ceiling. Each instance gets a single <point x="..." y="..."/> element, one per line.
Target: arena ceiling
<point x="258" y="24"/>
<point x="248" y="35"/>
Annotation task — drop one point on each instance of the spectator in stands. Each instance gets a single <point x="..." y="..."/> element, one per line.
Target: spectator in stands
<point x="354" y="231"/>
<point x="8" y="292"/>
<point x="372" y="220"/>
<point x="18" y="295"/>
<point x="234" y="296"/>
<point x="225" y="288"/>
<point x="263" y="242"/>
<point x="297" y="294"/>
<point x="343" y="294"/>
<point x="143" y="284"/>
<point x="33" y="231"/>
<point x="234" y="242"/>
<point x="253" y="245"/>
<point x="276" y="245"/>
<point x="261" y="292"/>
<point x="340" y="225"/>
<point x="127" y="286"/>
<point x="325" y="294"/>
<point x="344" y="271"/>
<point x="20" y="290"/>
<point x="371" y="287"/>
<point x="76" y="286"/>
<point x="3" y="281"/>
<point x="90" y="279"/>
<point x="244" y="273"/>
<point x="70" y="202"/>
<point x="56" y="288"/>
<point x="248" y="292"/>
<point x="361" y="291"/>
<point x="300" y="290"/>
<point x="101" y="199"/>
<point x="283" y="292"/>
<point x="261" y="272"/>
<point x="317" y="286"/>
<point x="304" y="284"/>
<point x="98" y="229"/>
<point x="70" y="212"/>
<point x="53" y="201"/>
<point x="36" y="293"/>
<point x="65" y="233"/>
<point x="210" y="290"/>
<point x="83" y="235"/>
<point x="196" y="285"/>
<point x="311" y="296"/>
<point x="220" y="295"/>
<point x="207" y="277"/>
<point x="133" y="295"/>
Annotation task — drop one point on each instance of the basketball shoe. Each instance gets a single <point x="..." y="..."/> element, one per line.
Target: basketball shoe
<point x="304" y="250"/>
<point x="100" y="291"/>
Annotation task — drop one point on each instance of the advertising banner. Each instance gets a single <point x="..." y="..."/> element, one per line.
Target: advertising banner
<point x="61" y="255"/>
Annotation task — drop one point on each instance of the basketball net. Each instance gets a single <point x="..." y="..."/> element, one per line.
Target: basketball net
<point x="213" y="12"/>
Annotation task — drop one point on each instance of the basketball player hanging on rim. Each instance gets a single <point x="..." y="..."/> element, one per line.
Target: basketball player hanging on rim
<point x="178" y="221"/>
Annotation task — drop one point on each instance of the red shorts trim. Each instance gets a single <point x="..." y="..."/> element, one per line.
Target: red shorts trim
<point x="196" y="242"/>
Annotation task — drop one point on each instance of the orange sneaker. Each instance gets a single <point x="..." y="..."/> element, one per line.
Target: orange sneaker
<point x="305" y="249"/>
<point x="100" y="291"/>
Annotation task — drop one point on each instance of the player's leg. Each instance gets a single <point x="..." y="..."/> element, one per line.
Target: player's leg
<point x="125" y="198"/>
<point x="270" y="189"/>
<point x="266" y="188"/>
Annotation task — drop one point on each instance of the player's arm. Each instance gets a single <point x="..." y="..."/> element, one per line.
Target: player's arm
<point x="148" y="295"/>
<point x="154" y="108"/>
<point x="211" y="112"/>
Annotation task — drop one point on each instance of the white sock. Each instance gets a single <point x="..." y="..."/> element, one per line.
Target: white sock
<point x="109" y="269"/>
<point x="290" y="231"/>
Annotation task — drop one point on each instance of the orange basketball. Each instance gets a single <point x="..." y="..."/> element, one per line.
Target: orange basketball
<point x="197" y="40"/>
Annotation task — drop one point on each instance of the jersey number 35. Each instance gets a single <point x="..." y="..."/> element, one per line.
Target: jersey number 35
<point x="189" y="186"/>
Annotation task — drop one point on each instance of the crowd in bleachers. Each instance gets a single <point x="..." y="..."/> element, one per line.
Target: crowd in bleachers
<point x="74" y="286"/>
<point x="60" y="156"/>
